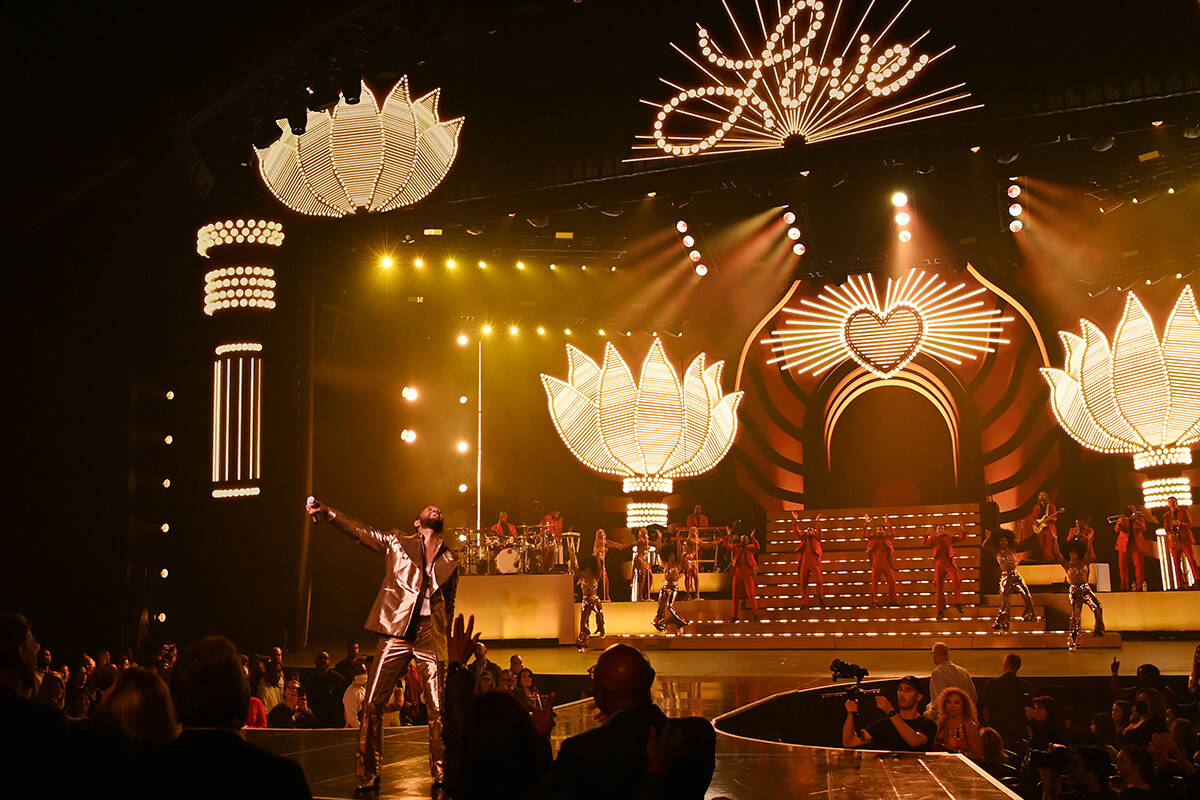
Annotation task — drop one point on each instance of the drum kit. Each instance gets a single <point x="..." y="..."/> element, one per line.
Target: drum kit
<point x="532" y="551"/>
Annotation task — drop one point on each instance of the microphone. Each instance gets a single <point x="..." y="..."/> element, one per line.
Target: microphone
<point x="314" y="515"/>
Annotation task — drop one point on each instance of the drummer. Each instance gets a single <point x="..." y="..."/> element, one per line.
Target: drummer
<point x="552" y="524"/>
<point x="503" y="528"/>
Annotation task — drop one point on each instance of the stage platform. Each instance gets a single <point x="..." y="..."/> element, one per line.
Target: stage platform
<point x="745" y="769"/>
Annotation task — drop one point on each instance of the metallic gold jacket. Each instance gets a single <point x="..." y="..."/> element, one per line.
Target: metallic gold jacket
<point x="397" y="606"/>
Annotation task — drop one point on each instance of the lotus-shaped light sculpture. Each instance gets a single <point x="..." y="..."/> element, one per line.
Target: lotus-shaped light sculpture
<point x="362" y="156"/>
<point x="1141" y="396"/>
<point x="649" y="432"/>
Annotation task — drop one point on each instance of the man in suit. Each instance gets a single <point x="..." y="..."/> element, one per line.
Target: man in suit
<point x="411" y="614"/>
<point x="611" y="761"/>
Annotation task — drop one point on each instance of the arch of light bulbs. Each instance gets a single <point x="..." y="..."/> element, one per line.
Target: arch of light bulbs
<point x="239" y="287"/>
<point x="238" y="231"/>
<point x="804" y="81"/>
<point x="919" y="313"/>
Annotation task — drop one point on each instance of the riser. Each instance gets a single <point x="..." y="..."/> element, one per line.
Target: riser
<point x="913" y="641"/>
<point x="793" y="597"/>
<point x="965" y="625"/>
<point x="852" y="583"/>
<point x="860" y="561"/>
<point x="880" y="614"/>
<point x="786" y="543"/>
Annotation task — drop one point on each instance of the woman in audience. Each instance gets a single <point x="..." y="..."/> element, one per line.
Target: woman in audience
<point x="995" y="759"/>
<point x="1105" y="730"/>
<point x="1136" y="770"/>
<point x="140" y="708"/>
<point x="526" y="692"/>
<point x="1044" y="722"/>
<point x="1149" y="718"/>
<point x="1122" y="715"/>
<point x="958" y="725"/>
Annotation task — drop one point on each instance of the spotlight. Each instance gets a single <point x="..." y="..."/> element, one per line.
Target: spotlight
<point x="386" y="262"/>
<point x="418" y="263"/>
<point x="1102" y="144"/>
<point x="681" y="226"/>
<point x="1170" y="190"/>
<point x="788" y="217"/>
<point x="1015" y="210"/>
<point x="1148" y="281"/>
<point x="1014" y="191"/>
<point x="566" y="331"/>
<point x="688" y="241"/>
<point x="409" y="393"/>
<point x="651" y="194"/>
<point x="798" y="248"/>
<point x="462" y="338"/>
<point x="1157" y="123"/>
<point x="513" y="329"/>
<point x="483" y="265"/>
<point x="975" y="149"/>
<point x="583" y="267"/>
<point x="408" y="435"/>
<point x="613" y="268"/>
<point x="899" y="199"/>
<point x="1178" y="275"/>
<point x="601" y="331"/>
<point x="694" y="256"/>
<point x="462" y="488"/>
<point x="171" y="395"/>
<point x="905" y="236"/>
<point x="166" y="483"/>
<point x="541" y="331"/>
<point x="463" y="447"/>
<point x="793" y="234"/>
<point x="552" y="267"/>
<point x="162" y="617"/>
<point x="168" y="439"/>
<point x="520" y="265"/>
<point x="903" y="218"/>
<point x="1016" y="226"/>
<point x="462" y="399"/>
<point x="475" y="230"/>
<point x="163" y="573"/>
<point x="701" y="270"/>
<point x="165" y="527"/>
<point x="486" y="329"/>
<point x="450" y="263"/>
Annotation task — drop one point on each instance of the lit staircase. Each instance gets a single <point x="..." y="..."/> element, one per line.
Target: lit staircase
<point x="848" y="620"/>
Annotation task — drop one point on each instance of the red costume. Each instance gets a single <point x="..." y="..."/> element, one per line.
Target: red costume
<point x="1131" y="528"/>
<point x="944" y="566"/>
<point x="744" y="567"/>
<point x="1086" y="534"/>
<point x="1048" y="535"/>
<point x="1177" y="523"/>
<point x="879" y="550"/>
<point x="553" y="525"/>
<point x="697" y="520"/>
<point x="809" y="563"/>
<point x="505" y="530"/>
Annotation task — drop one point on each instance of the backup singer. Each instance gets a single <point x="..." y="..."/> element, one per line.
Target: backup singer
<point x="1002" y="543"/>
<point x="666" y="595"/>
<point x="1077" y="564"/>
<point x="641" y="565"/>
<point x="880" y="546"/>
<point x="689" y="549"/>
<point x="1083" y="532"/>
<point x="744" y="568"/>
<point x="809" y="562"/>
<point x="1131" y="546"/>
<point x="697" y="519"/>
<point x="1178" y="524"/>
<point x="600" y="550"/>
<point x="588" y="579"/>
<point x="411" y="614"/>
<point x="1045" y="524"/>
<point x="942" y="542"/>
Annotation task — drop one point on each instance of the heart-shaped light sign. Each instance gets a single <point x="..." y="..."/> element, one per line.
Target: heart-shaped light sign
<point x="884" y="344"/>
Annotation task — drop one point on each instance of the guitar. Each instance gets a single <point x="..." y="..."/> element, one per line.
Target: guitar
<point x="1047" y="519"/>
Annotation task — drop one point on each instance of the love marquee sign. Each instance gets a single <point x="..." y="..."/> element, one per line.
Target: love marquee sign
<point x="918" y="313"/>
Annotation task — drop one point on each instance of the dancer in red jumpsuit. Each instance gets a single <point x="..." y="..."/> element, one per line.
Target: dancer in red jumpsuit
<point x="1177" y="522"/>
<point x="879" y="549"/>
<point x="809" y="562"/>
<point x="744" y="567"/>
<point x="942" y="542"/>
<point x="1132" y="546"/>
<point x="1045" y="524"/>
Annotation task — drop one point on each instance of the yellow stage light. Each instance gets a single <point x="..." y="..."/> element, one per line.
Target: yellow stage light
<point x="239" y="231"/>
<point x="567" y="331"/>
<point x="162" y="617"/>
<point x="905" y="236"/>
<point x="168" y="439"/>
<point x="462" y="338"/>
<point x="486" y="329"/>
<point x="899" y="199"/>
<point x="361" y="156"/>
<point x="483" y="265"/>
<point x="601" y="331"/>
<point x="170" y="395"/>
<point x="903" y="218"/>
<point x="409" y="393"/>
<point x="918" y="313"/>
<point x="165" y="527"/>
<point x="520" y="265"/>
<point x="513" y="329"/>
<point x="386" y="262"/>
<point x="450" y="263"/>
<point x="701" y="270"/>
<point x="463" y="447"/>
<point x="553" y="267"/>
<point x="163" y="573"/>
<point x="541" y="331"/>
<point x="462" y="488"/>
<point x="462" y="399"/>
<point x="418" y="263"/>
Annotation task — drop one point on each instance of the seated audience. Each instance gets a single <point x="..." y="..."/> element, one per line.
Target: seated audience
<point x="1147" y="677"/>
<point x="486" y="683"/>
<point x="355" y="695"/>
<point x="482" y="664"/>
<point x="32" y="736"/>
<point x="957" y="724"/>
<point x="324" y="688"/>
<point x="1135" y="768"/>
<point x="995" y="758"/>
<point x="1122" y="714"/>
<point x="293" y="712"/>
<point x="1004" y="701"/>
<point x="527" y="692"/>
<point x="1105" y="731"/>
<point x="140" y="709"/>
<point x="210" y="758"/>
<point x="1149" y="717"/>
<point x="1091" y="769"/>
<point x="1045" y="726"/>
<point x="270" y="689"/>
<point x="903" y="727"/>
<point x="507" y="681"/>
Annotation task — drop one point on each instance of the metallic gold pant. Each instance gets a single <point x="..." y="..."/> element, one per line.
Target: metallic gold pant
<point x="666" y="608"/>
<point x="585" y="614"/>
<point x="391" y="662"/>
<point x="1082" y="595"/>
<point x="1012" y="583"/>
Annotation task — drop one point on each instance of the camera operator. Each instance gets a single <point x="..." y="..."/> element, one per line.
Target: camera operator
<point x="903" y="727"/>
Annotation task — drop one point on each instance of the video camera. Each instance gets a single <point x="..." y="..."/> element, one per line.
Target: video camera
<point x="844" y="669"/>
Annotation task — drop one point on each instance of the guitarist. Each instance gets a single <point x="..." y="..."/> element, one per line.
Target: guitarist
<point x="1045" y="526"/>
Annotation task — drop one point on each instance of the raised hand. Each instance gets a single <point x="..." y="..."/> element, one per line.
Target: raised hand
<point x="461" y="642"/>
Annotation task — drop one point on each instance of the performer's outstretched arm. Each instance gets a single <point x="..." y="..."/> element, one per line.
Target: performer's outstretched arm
<point x="357" y="530"/>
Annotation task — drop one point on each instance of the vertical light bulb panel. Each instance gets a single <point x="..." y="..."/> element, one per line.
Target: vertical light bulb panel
<point x="237" y="420"/>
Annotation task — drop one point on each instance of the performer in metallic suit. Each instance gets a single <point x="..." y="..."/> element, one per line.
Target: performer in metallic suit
<point x="589" y="578"/>
<point x="809" y="563"/>
<point x="600" y="547"/>
<point x="689" y="550"/>
<point x="666" y="595"/>
<point x="641" y="565"/>
<point x="1131" y="546"/>
<point x="1177" y="522"/>
<point x="942" y="542"/>
<point x="411" y="614"/>
<point x="879" y="549"/>
<point x="1076" y="564"/>
<point x="1002" y="543"/>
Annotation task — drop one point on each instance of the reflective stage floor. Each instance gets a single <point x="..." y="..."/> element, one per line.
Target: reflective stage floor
<point x="746" y="769"/>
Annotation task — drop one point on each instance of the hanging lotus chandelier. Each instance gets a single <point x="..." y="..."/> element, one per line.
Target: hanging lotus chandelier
<point x="1139" y="396"/>
<point x="362" y="155"/>
<point x="648" y="433"/>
